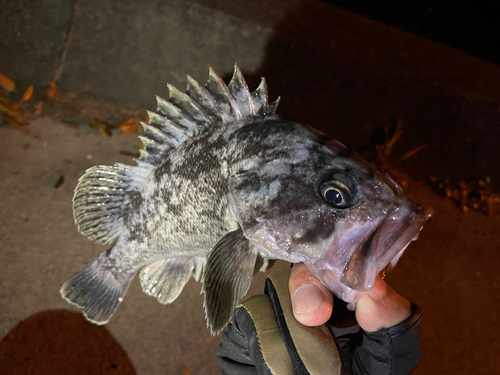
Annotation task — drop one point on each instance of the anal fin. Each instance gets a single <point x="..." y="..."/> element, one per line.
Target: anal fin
<point x="227" y="277"/>
<point x="165" y="278"/>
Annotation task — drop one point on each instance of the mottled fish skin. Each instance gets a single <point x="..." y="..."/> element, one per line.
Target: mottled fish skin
<point x="183" y="208"/>
<point x="224" y="183"/>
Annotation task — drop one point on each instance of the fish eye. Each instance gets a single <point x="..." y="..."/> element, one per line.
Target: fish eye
<point x="338" y="191"/>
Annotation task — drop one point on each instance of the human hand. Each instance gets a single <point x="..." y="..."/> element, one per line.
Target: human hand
<point x="380" y="307"/>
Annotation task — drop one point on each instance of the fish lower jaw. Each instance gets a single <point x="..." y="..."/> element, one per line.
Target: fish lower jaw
<point x="351" y="296"/>
<point x="394" y="261"/>
<point x="331" y="280"/>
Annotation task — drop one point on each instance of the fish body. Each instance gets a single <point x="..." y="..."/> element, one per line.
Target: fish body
<point x="224" y="184"/>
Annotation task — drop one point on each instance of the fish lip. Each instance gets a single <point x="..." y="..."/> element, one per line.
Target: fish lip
<point x="383" y="246"/>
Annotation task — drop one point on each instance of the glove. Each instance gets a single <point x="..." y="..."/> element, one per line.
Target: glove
<point x="264" y="338"/>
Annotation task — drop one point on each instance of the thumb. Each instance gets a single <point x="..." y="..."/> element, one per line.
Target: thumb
<point x="381" y="307"/>
<point x="312" y="302"/>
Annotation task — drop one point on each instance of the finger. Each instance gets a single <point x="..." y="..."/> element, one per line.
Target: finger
<point x="312" y="302"/>
<point x="381" y="307"/>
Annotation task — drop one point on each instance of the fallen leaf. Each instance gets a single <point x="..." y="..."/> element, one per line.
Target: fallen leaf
<point x="59" y="181"/>
<point x="52" y="91"/>
<point x="183" y="368"/>
<point x="27" y="94"/>
<point x="412" y="152"/>
<point x="12" y="114"/>
<point x="102" y="126"/>
<point x="9" y="121"/>
<point x="7" y="83"/>
<point x="11" y="108"/>
<point x="395" y="137"/>
<point x="128" y="126"/>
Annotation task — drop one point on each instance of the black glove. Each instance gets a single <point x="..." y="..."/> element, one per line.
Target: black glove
<point x="264" y="338"/>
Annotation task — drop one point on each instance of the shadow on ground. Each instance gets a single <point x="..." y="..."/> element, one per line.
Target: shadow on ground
<point x="62" y="342"/>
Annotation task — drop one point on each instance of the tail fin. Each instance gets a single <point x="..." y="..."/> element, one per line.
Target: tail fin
<point x="97" y="289"/>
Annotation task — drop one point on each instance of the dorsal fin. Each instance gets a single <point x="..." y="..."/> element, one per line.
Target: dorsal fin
<point x="187" y="114"/>
<point x="241" y="94"/>
<point x="104" y="194"/>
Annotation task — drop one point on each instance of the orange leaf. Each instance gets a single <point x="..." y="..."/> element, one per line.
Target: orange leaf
<point x="9" y="121"/>
<point x="12" y="114"/>
<point x="183" y="369"/>
<point x="27" y="94"/>
<point x="52" y="89"/>
<point x="7" y="83"/>
<point x="11" y="109"/>
<point x="128" y="126"/>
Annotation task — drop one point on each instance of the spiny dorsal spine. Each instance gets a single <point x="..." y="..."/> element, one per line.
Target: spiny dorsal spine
<point x="186" y="114"/>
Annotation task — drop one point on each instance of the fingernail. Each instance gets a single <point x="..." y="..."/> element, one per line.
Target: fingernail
<point x="307" y="298"/>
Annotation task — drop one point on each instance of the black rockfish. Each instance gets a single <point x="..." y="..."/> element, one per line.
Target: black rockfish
<point x="222" y="185"/>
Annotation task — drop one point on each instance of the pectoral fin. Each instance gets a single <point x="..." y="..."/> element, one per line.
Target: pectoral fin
<point x="227" y="277"/>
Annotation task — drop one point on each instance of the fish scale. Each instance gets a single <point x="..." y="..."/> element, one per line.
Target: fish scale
<point x="222" y="185"/>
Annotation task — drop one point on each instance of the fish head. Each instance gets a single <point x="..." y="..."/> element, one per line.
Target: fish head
<point x="344" y="219"/>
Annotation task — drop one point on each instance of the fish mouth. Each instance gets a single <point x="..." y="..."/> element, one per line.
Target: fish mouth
<point x="383" y="247"/>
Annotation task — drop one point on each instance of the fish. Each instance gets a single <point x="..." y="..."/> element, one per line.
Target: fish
<point x="223" y="186"/>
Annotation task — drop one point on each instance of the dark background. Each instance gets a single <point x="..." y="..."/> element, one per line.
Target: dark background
<point x="470" y="26"/>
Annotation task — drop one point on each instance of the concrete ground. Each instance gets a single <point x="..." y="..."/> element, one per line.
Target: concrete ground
<point x="340" y="72"/>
